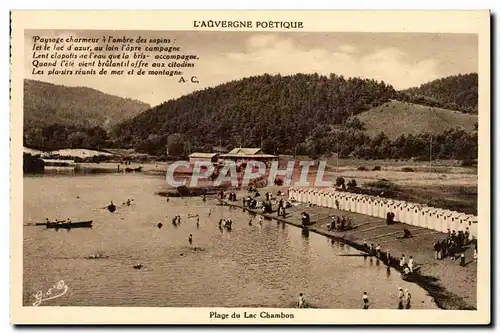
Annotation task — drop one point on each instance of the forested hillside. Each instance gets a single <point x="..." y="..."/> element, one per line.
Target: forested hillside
<point x="457" y="92"/>
<point x="277" y="111"/>
<point x="48" y="107"/>
<point x="301" y="114"/>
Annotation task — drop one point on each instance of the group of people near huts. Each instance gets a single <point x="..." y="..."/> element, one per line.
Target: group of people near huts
<point x="337" y="223"/>
<point x="453" y="246"/>
<point x="266" y="204"/>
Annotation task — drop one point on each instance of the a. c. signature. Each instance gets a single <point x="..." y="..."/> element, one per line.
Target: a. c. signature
<point x="57" y="290"/>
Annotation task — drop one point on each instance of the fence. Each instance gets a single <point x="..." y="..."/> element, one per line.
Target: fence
<point x="409" y="213"/>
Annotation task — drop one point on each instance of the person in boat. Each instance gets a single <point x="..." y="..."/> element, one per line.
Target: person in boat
<point x="301" y="302"/>
<point x="47" y="221"/>
<point x="190" y="239"/>
<point x="68" y="221"/>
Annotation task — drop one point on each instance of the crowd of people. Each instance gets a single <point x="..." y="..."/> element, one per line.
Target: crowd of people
<point x="453" y="246"/>
<point x="337" y="223"/>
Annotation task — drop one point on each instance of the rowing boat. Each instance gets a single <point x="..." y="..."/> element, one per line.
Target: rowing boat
<point x="87" y="224"/>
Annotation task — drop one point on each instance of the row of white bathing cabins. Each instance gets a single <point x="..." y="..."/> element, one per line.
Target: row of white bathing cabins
<point x="409" y="213"/>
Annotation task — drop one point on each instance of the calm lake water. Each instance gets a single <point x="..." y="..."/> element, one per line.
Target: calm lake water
<point x="252" y="266"/>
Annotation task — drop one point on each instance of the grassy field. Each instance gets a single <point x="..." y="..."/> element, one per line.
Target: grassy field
<point x="396" y="118"/>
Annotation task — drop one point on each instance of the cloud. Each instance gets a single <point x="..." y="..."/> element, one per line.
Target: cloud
<point x="269" y="54"/>
<point x="347" y="48"/>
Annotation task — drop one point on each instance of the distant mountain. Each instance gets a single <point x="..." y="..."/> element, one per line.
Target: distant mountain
<point x="46" y="104"/>
<point x="457" y="92"/>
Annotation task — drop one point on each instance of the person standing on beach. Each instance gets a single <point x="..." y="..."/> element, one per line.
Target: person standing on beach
<point x="437" y="248"/>
<point x="301" y="303"/>
<point x="366" y="304"/>
<point x="475" y="252"/>
<point x="402" y="262"/>
<point x="462" y="259"/>
<point x="407" y="299"/>
<point x="190" y="239"/>
<point x="377" y="250"/>
<point x="400" y="299"/>
<point x="411" y="264"/>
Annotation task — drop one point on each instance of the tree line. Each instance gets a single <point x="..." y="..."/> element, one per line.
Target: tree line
<point x="56" y="136"/>
<point x="458" y="92"/>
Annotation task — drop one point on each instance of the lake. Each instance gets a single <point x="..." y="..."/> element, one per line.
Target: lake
<point x="251" y="266"/>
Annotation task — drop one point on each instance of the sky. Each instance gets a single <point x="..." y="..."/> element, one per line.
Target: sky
<point x="401" y="59"/>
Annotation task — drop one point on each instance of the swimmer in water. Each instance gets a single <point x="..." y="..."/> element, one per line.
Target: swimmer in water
<point x="111" y="207"/>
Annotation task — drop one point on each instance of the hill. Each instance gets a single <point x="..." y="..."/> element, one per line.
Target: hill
<point x="396" y="118"/>
<point x="47" y="104"/>
<point x="301" y="114"/>
<point x="275" y="112"/>
<point x="457" y="92"/>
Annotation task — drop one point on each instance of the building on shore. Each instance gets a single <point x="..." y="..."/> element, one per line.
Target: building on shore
<point x="205" y="157"/>
<point x="241" y="155"/>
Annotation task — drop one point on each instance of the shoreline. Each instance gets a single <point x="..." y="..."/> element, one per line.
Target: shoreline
<point x="430" y="277"/>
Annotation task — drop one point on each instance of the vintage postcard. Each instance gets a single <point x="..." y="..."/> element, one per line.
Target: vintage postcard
<point x="250" y="167"/>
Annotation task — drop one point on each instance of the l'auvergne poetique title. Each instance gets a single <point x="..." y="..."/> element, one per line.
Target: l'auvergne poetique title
<point x="249" y="24"/>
